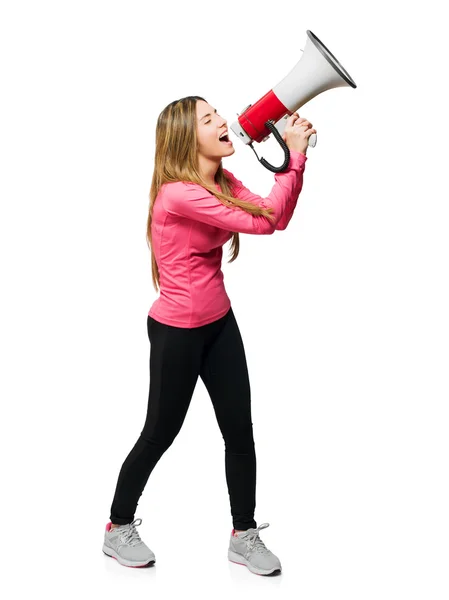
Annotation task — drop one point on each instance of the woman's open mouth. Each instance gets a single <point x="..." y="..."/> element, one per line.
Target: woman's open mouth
<point x="225" y="140"/>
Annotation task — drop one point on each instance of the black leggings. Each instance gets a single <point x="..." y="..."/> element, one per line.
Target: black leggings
<point x="178" y="355"/>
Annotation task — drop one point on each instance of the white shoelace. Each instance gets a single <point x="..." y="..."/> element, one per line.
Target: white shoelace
<point x="129" y="534"/>
<point x="253" y="539"/>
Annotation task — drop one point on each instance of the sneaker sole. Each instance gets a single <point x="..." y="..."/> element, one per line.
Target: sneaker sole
<point x="123" y="561"/>
<point x="238" y="558"/>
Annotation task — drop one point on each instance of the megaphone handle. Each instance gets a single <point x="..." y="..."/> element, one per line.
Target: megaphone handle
<point x="312" y="140"/>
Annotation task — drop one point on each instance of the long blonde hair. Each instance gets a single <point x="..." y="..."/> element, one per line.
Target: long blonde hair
<point x="176" y="159"/>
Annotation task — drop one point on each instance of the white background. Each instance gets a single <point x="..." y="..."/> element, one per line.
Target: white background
<point x="344" y="315"/>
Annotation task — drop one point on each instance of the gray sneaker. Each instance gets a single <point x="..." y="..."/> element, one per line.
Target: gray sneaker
<point x="249" y="550"/>
<point x="124" y="544"/>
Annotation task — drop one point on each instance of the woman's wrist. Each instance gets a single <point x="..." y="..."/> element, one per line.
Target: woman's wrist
<point x="298" y="151"/>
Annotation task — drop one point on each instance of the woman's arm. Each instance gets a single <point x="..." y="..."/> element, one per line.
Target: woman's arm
<point x="242" y="192"/>
<point x="190" y="200"/>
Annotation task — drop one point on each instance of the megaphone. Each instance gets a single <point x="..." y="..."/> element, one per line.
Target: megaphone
<point x="317" y="71"/>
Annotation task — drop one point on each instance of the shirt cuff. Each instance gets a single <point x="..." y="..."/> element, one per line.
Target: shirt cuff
<point x="298" y="155"/>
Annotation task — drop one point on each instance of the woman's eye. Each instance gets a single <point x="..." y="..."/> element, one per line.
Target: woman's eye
<point x="205" y="122"/>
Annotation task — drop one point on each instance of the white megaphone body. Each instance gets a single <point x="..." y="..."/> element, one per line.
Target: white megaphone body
<point x="317" y="71"/>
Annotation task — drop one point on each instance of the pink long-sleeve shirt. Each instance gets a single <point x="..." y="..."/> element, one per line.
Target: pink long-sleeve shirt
<point x="189" y="228"/>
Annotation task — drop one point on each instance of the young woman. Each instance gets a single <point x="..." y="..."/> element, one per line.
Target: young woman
<point x="196" y="206"/>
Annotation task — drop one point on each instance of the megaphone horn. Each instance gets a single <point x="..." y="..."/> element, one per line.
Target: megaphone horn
<point x="317" y="71"/>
